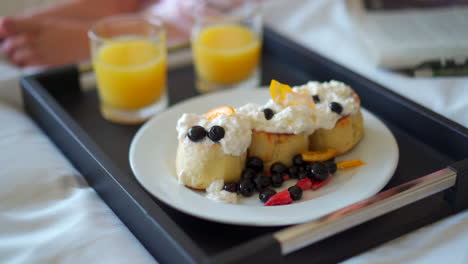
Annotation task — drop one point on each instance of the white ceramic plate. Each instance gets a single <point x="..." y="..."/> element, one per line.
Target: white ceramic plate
<point x="153" y="151"/>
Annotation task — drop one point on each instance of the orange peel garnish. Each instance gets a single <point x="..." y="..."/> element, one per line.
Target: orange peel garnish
<point x="222" y="110"/>
<point x="279" y="91"/>
<point x="284" y="95"/>
<point x="349" y="164"/>
<point x="319" y="155"/>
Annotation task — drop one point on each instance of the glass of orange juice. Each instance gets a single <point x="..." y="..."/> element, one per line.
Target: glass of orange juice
<point x="226" y="44"/>
<point x="129" y="58"/>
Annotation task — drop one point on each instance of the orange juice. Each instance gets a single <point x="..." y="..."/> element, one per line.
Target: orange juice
<point x="130" y="73"/>
<point x="226" y="53"/>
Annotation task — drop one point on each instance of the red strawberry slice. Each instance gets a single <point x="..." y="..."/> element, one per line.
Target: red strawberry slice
<point x="319" y="184"/>
<point x="304" y="184"/>
<point x="280" y="198"/>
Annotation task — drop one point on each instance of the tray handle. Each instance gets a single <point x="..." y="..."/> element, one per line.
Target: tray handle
<point x="456" y="176"/>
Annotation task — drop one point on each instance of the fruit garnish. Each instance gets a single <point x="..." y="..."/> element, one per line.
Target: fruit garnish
<point x="331" y="166"/>
<point x="279" y="91"/>
<point x="349" y="164"/>
<point x="319" y="184"/>
<point x="304" y="184"/>
<point x="222" y="110"/>
<point x="262" y="181"/>
<point x="295" y="192"/>
<point x="303" y="175"/>
<point x="231" y="187"/>
<point x="319" y="171"/>
<point x="216" y="133"/>
<point x="297" y="160"/>
<point x="196" y="133"/>
<point x="248" y="174"/>
<point x="246" y="188"/>
<point x="266" y="194"/>
<point x="280" y="198"/>
<point x="336" y="107"/>
<point x="255" y="163"/>
<point x="268" y="113"/>
<point x="278" y="167"/>
<point x="277" y="180"/>
<point x="284" y="95"/>
<point x="293" y="172"/>
<point x="319" y="155"/>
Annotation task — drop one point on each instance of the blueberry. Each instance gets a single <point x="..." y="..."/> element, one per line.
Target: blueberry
<point x="318" y="168"/>
<point x="295" y="192"/>
<point x="196" y="133"/>
<point x="302" y="175"/>
<point x="336" y="107"/>
<point x="277" y="180"/>
<point x="316" y="98"/>
<point x="320" y="177"/>
<point x="216" y="133"/>
<point x="266" y="194"/>
<point x="319" y="171"/>
<point x="248" y="174"/>
<point x="262" y="181"/>
<point x="278" y="167"/>
<point x="255" y="163"/>
<point x="231" y="187"/>
<point x="331" y="166"/>
<point x="293" y="172"/>
<point x="268" y="113"/>
<point x="246" y="188"/>
<point x="297" y="160"/>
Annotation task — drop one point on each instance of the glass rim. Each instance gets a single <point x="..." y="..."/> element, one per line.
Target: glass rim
<point x="154" y="21"/>
<point x="254" y="9"/>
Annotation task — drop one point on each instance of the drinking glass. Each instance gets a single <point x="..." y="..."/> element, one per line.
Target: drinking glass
<point x="129" y="58"/>
<point x="226" y="44"/>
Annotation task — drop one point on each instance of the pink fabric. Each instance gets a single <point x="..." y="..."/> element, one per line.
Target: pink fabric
<point x="176" y="15"/>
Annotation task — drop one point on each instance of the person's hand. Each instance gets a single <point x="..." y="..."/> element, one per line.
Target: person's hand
<point x="5" y="27"/>
<point x="16" y="35"/>
<point x="49" y="42"/>
<point x="3" y="33"/>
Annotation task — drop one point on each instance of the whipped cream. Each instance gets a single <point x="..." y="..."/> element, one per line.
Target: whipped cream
<point x="215" y="192"/>
<point x="237" y="130"/>
<point x="295" y="119"/>
<point x="328" y="92"/>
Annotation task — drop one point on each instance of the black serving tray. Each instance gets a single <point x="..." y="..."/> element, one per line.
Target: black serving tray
<point x="99" y="150"/>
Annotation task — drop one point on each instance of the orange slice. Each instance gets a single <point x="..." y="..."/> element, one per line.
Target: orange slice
<point x="319" y="155"/>
<point x="349" y="164"/>
<point x="222" y="110"/>
<point x="279" y="91"/>
<point x="283" y="94"/>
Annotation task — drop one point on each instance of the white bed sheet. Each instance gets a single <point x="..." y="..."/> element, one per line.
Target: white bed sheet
<point x="48" y="214"/>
